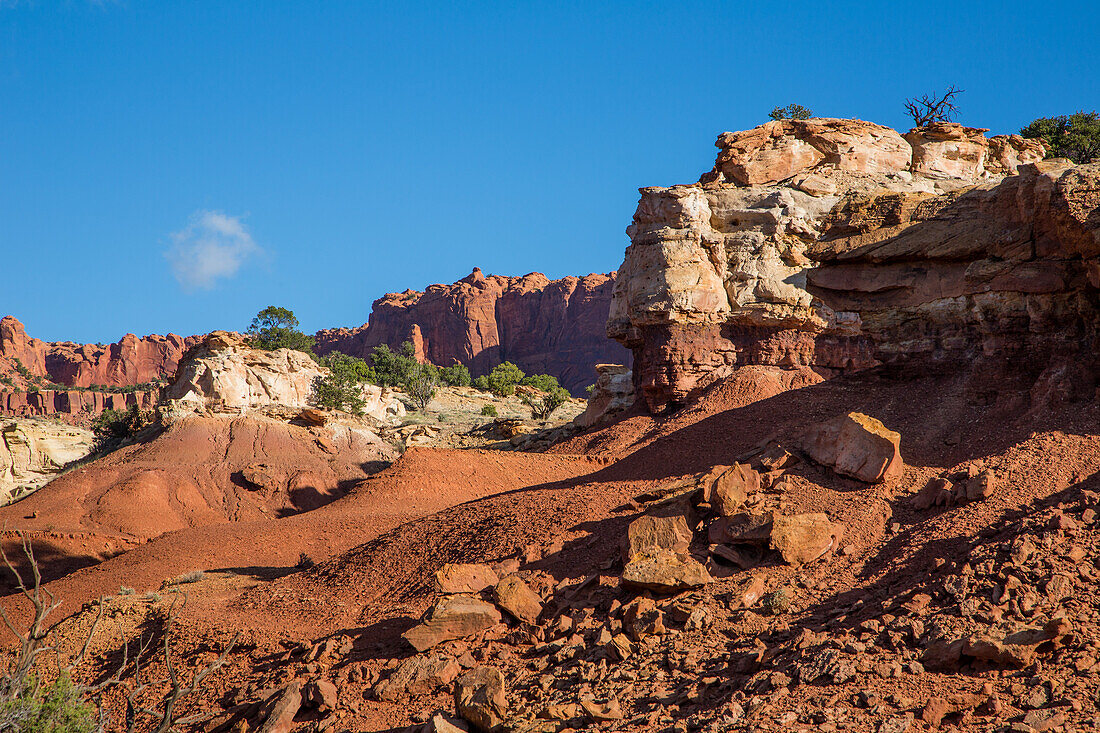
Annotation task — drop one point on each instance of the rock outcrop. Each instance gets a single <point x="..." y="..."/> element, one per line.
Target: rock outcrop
<point x="840" y="245"/>
<point x="40" y="370"/>
<point x="33" y="452"/>
<point x="544" y="326"/>
<point x="612" y="395"/>
<point x="223" y="374"/>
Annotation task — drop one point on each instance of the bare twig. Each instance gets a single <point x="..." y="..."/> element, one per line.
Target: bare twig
<point x="32" y="642"/>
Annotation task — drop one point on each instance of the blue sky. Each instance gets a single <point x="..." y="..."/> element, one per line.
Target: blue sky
<point x="169" y="166"/>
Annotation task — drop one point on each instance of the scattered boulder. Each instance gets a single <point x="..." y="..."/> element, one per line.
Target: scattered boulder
<point x="727" y="487"/>
<point x="800" y="538"/>
<point x="481" y="698"/>
<point x="452" y="617"/>
<point x="320" y="695"/>
<point x="420" y="675"/>
<point x="940" y="491"/>
<point x="517" y="598"/>
<point x="279" y="710"/>
<point x="441" y="723"/>
<point x="642" y="618"/>
<point x="665" y="571"/>
<point x="648" y="533"/>
<point x="857" y="446"/>
<point x="937" y="492"/>
<point x="464" y="578"/>
<point x="312" y="417"/>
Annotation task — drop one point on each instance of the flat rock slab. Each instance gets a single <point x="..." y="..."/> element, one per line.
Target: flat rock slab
<point x="800" y="538"/>
<point x="465" y="578"/>
<point x="665" y="571"/>
<point x="452" y="617"/>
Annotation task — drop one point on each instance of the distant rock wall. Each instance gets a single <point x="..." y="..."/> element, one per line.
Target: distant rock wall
<point x="841" y="245"/>
<point x="544" y="326"/>
<point x="130" y="361"/>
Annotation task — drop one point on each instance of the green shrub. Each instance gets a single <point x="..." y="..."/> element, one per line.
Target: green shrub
<point x="590" y="389"/>
<point x="341" y="388"/>
<point x="502" y="380"/>
<point x="1075" y="136"/>
<point x="58" y="708"/>
<point x="542" y="407"/>
<point x="391" y="368"/>
<point x="277" y="328"/>
<point x="111" y="427"/>
<point x="541" y="382"/>
<point x="791" y="112"/>
<point x="489" y="410"/>
<point x="456" y="375"/>
<point x="421" y="384"/>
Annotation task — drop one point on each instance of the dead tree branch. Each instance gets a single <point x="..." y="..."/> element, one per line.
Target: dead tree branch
<point x="929" y="108"/>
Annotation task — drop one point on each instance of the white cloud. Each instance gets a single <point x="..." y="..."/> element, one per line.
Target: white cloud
<point x="214" y="246"/>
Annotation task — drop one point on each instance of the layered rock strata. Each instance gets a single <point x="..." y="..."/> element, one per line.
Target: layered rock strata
<point x="33" y="452"/>
<point x="841" y="245"/>
<point x="544" y="326"/>
<point x="31" y="370"/>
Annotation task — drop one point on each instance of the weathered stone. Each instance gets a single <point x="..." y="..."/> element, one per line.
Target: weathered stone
<point x="321" y="695"/>
<point x="420" y="675"/>
<point x="481" y="698"/>
<point x="937" y="492"/>
<point x="279" y="711"/>
<point x="452" y="617"/>
<point x="33" y="452"/>
<point x="602" y="711"/>
<point x="441" y="723"/>
<point x="613" y="395"/>
<point x="981" y="487"/>
<point x="648" y="533"/>
<point x="515" y="597"/>
<point x="811" y="245"/>
<point x="642" y="618"/>
<point x="800" y="538"/>
<point x="858" y="446"/>
<point x="727" y="487"/>
<point x="665" y="571"/>
<point x="223" y="373"/>
<point x="464" y="578"/>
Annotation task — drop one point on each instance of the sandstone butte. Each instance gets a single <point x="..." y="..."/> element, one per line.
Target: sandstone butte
<point x="829" y="246"/>
<point x="544" y="326"/>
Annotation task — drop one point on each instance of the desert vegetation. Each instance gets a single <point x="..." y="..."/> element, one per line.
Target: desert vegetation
<point x="276" y="327"/>
<point x="1075" y="136"/>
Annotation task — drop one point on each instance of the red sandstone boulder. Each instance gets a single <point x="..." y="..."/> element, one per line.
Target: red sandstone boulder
<point x="858" y="446"/>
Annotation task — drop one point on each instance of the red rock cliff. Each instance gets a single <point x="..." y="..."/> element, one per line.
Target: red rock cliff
<point x="544" y="326"/>
<point x="130" y="361"/>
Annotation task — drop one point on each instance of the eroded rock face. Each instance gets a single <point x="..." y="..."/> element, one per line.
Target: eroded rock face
<point x="612" y="396"/>
<point x="224" y="374"/>
<point x="544" y="326"/>
<point x="33" y="452"/>
<point x="129" y="361"/>
<point x="940" y="250"/>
